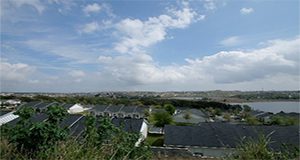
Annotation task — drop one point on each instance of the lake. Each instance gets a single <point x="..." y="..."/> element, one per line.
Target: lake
<point x="275" y="107"/>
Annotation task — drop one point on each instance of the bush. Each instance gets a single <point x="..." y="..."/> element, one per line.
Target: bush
<point x="254" y="149"/>
<point x="47" y="141"/>
<point x="162" y="118"/>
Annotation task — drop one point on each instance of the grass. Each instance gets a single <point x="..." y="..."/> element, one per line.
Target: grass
<point x="155" y="139"/>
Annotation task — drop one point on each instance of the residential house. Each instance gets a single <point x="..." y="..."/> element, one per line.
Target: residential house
<point x="7" y="117"/>
<point x="220" y="139"/>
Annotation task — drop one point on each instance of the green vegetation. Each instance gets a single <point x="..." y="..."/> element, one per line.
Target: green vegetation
<point x="170" y="108"/>
<point x="155" y="139"/>
<point x="283" y="120"/>
<point x="46" y="140"/>
<point x="160" y="119"/>
<point x="258" y="149"/>
<point x="252" y="120"/>
<point x="187" y="116"/>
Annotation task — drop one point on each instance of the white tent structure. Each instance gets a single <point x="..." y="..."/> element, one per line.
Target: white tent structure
<point x="76" y="108"/>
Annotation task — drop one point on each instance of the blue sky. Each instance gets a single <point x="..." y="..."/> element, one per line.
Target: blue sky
<point x="83" y="45"/>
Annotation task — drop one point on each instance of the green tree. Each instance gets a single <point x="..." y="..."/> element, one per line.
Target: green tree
<point x="162" y="118"/>
<point x="32" y="137"/>
<point x="187" y="116"/>
<point x="247" y="108"/>
<point x="170" y="108"/>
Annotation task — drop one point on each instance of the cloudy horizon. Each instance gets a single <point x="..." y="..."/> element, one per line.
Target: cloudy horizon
<point x="93" y="46"/>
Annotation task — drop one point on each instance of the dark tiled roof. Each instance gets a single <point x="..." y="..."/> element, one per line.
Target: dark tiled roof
<point x="228" y="135"/>
<point x="128" y="124"/>
<point x="3" y="112"/>
<point x="114" y="109"/>
<point x="128" y="109"/>
<point x="78" y="128"/>
<point x="31" y="104"/>
<point x="67" y="106"/>
<point x="99" y="108"/>
<point x="39" y="117"/>
<point x="70" y="120"/>
<point x="141" y="110"/>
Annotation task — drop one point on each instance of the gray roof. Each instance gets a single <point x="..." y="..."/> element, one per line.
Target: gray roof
<point x="70" y="120"/>
<point x="114" y="109"/>
<point x="30" y="104"/>
<point x="128" y="109"/>
<point x="38" y="117"/>
<point x="227" y="135"/>
<point x="4" y="112"/>
<point x="68" y="106"/>
<point x="78" y="128"/>
<point x="99" y="108"/>
<point x="141" y="110"/>
<point x="128" y="124"/>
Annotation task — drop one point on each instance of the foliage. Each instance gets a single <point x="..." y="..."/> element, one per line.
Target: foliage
<point x="284" y="120"/>
<point x="33" y="137"/>
<point x="252" y="120"/>
<point x="246" y="108"/>
<point x="170" y="108"/>
<point x="162" y="118"/>
<point x="258" y="149"/>
<point x="227" y="116"/>
<point x="155" y="139"/>
<point x="46" y="140"/>
<point x="187" y="116"/>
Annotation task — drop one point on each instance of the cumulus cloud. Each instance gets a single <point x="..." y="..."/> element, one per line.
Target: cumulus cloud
<point x="15" y="71"/>
<point x="36" y="4"/>
<point x="92" y="8"/>
<point x="231" y="41"/>
<point x="139" y="69"/>
<point x="280" y="56"/>
<point x="137" y="34"/>
<point x="245" y="11"/>
<point x="225" y="67"/>
<point x="90" y="27"/>
<point x="77" y="75"/>
<point x="95" y="26"/>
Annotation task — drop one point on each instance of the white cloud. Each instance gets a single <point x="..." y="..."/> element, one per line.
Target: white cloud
<point x="245" y="11"/>
<point x="92" y="8"/>
<point x="63" y="48"/>
<point x="15" y="72"/>
<point x="279" y="57"/>
<point x="34" y="3"/>
<point x="231" y="41"/>
<point x="90" y="27"/>
<point x="78" y="75"/>
<point x="136" y="34"/>
<point x="210" y="4"/>
<point x="95" y="26"/>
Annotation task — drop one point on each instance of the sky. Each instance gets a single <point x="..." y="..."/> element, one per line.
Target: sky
<point x="198" y="45"/>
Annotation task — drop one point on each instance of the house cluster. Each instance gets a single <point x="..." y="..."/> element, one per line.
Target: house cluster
<point x="221" y="139"/>
<point x="201" y="139"/>
<point x="119" y="111"/>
